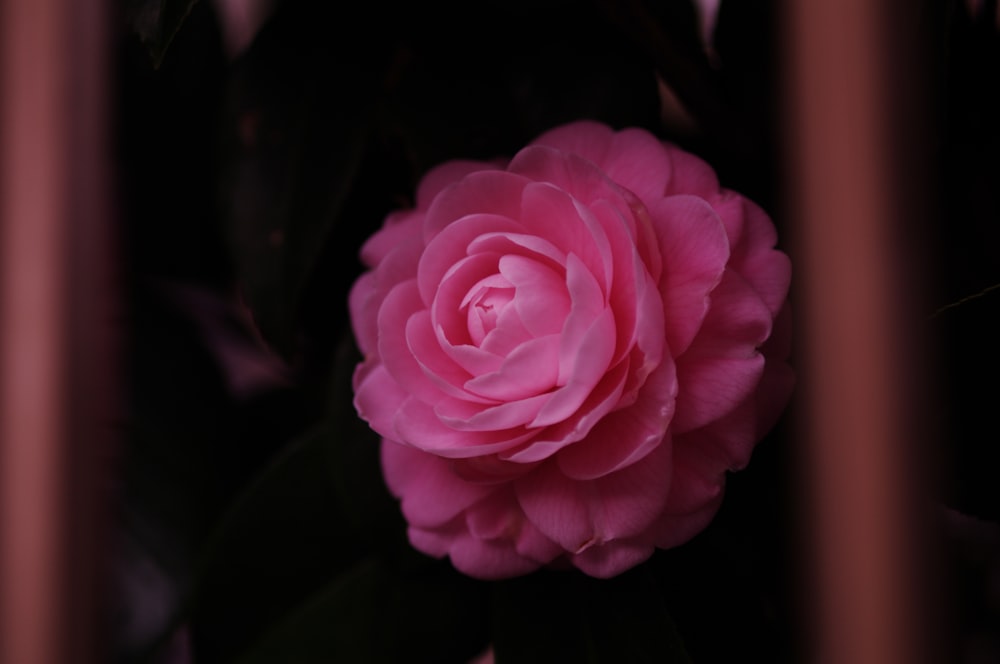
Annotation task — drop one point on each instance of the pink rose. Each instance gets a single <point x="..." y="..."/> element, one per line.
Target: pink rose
<point x="565" y="356"/>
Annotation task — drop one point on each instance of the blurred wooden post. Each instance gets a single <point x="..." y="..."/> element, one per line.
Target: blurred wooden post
<point x="845" y="207"/>
<point x="54" y="308"/>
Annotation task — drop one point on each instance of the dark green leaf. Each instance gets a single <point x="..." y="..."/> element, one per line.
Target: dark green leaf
<point x="379" y="612"/>
<point x="568" y="617"/>
<point x="339" y="620"/>
<point x="295" y="134"/>
<point x="283" y="536"/>
<point x="157" y="22"/>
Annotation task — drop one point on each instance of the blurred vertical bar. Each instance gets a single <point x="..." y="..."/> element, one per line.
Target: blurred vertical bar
<point x="840" y="56"/>
<point x="55" y="306"/>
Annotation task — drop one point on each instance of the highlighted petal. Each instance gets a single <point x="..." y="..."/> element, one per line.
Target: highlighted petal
<point x="592" y="356"/>
<point x="528" y="371"/>
<point x="625" y="436"/>
<point x="416" y="424"/>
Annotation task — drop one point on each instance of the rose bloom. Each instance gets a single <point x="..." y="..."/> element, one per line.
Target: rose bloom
<point x="564" y="356"/>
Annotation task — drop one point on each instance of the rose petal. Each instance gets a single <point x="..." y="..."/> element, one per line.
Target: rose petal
<point x="699" y="474"/>
<point x="394" y="348"/>
<point x="399" y="229"/>
<point x="711" y="387"/>
<point x="722" y="367"/>
<point x="638" y="161"/>
<point x="506" y="415"/>
<point x="550" y="213"/>
<point x="440" y="177"/>
<point x="441" y="370"/>
<point x="586" y="138"/>
<point x="456" y="363"/>
<point x="522" y="244"/>
<point x="613" y="558"/>
<point x="592" y="356"/>
<point x="446" y="304"/>
<point x="587" y="305"/>
<point x="416" y="424"/>
<point x="489" y="559"/>
<point x="577" y="177"/>
<point x="377" y="396"/>
<point x="499" y="517"/>
<point x="767" y="270"/>
<point x="363" y="306"/>
<point x="489" y="469"/>
<point x="601" y="400"/>
<point x="435" y="543"/>
<point x="451" y="245"/>
<point x="689" y="174"/>
<point x="509" y="333"/>
<point x="484" y="192"/>
<point x="529" y="370"/>
<point x="431" y="494"/>
<point x="695" y="249"/>
<point x="625" y="436"/>
<point x="541" y="299"/>
<point x="579" y="515"/>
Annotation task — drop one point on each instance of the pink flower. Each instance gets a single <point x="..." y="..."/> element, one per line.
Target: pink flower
<point x="566" y="355"/>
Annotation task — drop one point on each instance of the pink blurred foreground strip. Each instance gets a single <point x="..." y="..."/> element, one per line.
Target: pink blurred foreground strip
<point x="31" y="355"/>
<point x="52" y="74"/>
<point x="857" y="474"/>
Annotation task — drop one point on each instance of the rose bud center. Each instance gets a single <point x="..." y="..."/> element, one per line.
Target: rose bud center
<point x="484" y="303"/>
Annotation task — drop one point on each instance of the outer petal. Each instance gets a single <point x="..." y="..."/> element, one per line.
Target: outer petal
<point x="635" y="159"/>
<point x="377" y="396"/>
<point x="364" y="313"/>
<point x="483" y="192"/>
<point x="399" y="228"/>
<point x="489" y="559"/>
<point x="695" y="249"/>
<point x="586" y="138"/>
<point x="443" y="175"/>
<point x="500" y="517"/>
<point x="492" y="540"/>
<point x="579" y="515"/>
<point x="689" y="174"/>
<point x="394" y="349"/>
<point x="767" y="270"/>
<point x="431" y="494"/>
<point x="722" y="367"/>
<point x="613" y="558"/>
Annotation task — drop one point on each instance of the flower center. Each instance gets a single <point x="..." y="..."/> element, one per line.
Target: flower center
<point x="484" y="305"/>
